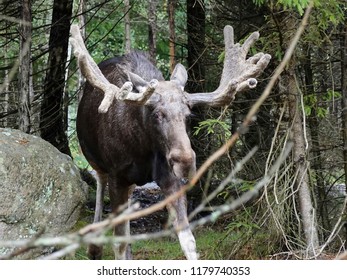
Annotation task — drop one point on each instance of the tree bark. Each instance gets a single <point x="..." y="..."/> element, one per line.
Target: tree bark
<point x="81" y="22"/>
<point x="344" y="100"/>
<point x="307" y="211"/>
<point x="196" y="45"/>
<point x="172" y="38"/>
<point x="196" y="79"/>
<point x="127" y="26"/>
<point x="313" y="123"/>
<point x="53" y="123"/>
<point x="152" y="29"/>
<point x="289" y="89"/>
<point x="25" y="88"/>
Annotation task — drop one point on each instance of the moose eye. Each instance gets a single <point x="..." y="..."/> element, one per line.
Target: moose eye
<point x="158" y="116"/>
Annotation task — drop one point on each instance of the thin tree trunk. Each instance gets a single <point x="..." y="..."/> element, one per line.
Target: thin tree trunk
<point x="25" y="88"/>
<point x="82" y="22"/>
<point x="196" y="78"/>
<point x="172" y="36"/>
<point x="290" y="89"/>
<point x="152" y="29"/>
<point x="313" y="123"/>
<point x="53" y="119"/>
<point x="344" y="101"/>
<point x="307" y="211"/>
<point x="127" y="26"/>
<point x="196" y="45"/>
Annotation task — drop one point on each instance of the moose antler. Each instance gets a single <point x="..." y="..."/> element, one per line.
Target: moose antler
<point x="238" y="72"/>
<point x="95" y="77"/>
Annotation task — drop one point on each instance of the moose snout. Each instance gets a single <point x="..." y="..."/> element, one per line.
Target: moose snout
<point x="182" y="163"/>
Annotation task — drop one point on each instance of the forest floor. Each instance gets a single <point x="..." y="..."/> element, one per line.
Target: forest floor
<point x="234" y="236"/>
<point x="210" y="245"/>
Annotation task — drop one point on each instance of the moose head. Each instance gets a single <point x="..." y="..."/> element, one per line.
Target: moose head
<point x="131" y="125"/>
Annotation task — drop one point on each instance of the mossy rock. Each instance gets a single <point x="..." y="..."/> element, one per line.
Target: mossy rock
<point x="40" y="189"/>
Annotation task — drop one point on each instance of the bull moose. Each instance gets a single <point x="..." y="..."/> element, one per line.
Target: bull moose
<point x="131" y="125"/>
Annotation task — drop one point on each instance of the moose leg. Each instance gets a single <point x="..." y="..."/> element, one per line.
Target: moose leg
<point x="94" y="251"/>
<point x="119" y="196"/>
<point x="187" y="241"/>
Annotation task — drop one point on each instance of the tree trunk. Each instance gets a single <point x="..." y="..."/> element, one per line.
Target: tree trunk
<point x="127" y="26"/>
<point x="53" y="120"/>
<point x="25" y="89"/>
<point x="196" y="79"/>
<point x="313" y="123"/>
<point x="152" y="29"/>
<point x="307" y="210"/>
<point x="196" y="68"/>
<point x="172" y="38"/>
<point x="289" y="89"/>
<point x="81" y="22"/>
<point x="344" y="101"/>
<point x="196" y="45"/>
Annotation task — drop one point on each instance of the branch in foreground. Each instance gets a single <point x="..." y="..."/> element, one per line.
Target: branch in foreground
<point x="95" y="233"/>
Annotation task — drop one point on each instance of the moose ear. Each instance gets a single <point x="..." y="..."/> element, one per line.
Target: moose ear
<point x="179" y="75"/>
<point x="140" y="84"/>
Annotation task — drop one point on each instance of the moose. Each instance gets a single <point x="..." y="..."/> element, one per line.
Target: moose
<point x="132" y="126"/>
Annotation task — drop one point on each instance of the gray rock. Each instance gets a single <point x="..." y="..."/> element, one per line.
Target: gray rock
<point x="40" y="189"/>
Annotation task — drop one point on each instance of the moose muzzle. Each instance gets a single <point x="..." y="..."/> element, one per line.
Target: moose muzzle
<point x="182" y="162"/>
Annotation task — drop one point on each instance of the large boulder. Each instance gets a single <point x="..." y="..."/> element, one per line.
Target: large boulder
<point x="40" y="189"/>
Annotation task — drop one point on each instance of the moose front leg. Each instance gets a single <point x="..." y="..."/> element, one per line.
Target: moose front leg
<point x="119" y="196"/>
<point x="178" y="213"/>
<point x="94" y="251"/>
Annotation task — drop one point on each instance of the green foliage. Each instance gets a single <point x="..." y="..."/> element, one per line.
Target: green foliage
<point x="167" y="248"/>
<point x="311" y="103"/>
<point x="241" y="225"/>
<point x="211" y="126"/>
<point x="329" y="13"/>
<point x="242" y="186"/>
<point x="298" y="5"/>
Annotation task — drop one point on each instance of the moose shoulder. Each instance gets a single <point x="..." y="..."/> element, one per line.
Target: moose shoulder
<point x="141" y="135"/>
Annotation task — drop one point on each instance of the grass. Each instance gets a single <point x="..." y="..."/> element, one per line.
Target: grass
<point x="224" y="240"/>
<point x="168" y="248"/>
<point x="211" y="244"/>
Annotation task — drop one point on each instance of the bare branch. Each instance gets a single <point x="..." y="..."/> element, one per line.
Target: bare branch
<point x="223" y="184"/>
<point x="96" y="233"/>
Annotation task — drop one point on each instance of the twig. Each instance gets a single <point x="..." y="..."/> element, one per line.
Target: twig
<point x="224" y="183"/>
<point x="61" y="253"/>
<point x="27" y="246"/>
<point x="247" y="196"/>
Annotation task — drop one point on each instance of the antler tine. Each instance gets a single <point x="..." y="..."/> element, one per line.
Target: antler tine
<point x="238" y="73"/>
<point x="95" y="77"/>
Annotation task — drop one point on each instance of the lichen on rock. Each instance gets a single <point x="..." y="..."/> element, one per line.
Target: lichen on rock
<point x="40" y="188"/>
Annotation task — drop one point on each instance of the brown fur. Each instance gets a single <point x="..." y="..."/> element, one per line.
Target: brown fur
<point x="135" y="144"/>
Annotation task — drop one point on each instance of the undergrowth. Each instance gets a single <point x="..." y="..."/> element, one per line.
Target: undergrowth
<point x="212" y="244"/>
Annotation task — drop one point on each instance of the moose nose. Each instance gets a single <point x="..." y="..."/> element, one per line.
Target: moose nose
<point x="182" y="163"/>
